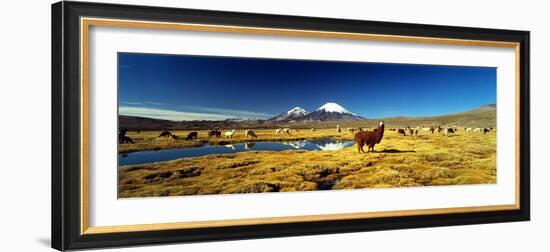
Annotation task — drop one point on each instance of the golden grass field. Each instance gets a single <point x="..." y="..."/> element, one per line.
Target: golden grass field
<point x="398" y="161"/>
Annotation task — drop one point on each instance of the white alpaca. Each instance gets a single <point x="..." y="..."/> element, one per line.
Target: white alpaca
<point x="278" y="131"/>
<point x="229" y="134"/>
<point x="468" y="129"/>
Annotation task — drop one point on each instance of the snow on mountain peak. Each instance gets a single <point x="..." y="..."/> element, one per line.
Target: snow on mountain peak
<point x="296" y="111"/>
<point x="334" y="107"/>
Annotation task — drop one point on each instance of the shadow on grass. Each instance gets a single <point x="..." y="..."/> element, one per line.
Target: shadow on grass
<point x="394" y="151"/>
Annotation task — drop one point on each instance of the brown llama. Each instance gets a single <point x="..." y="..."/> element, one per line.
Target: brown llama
<point x="192" y="135"/>
<point x="215" y="133"/>
<point x="401" y="132"/>
<point x="165" y="133"/>
<point x="127" y="139"/>
<point x="369" y="138"/>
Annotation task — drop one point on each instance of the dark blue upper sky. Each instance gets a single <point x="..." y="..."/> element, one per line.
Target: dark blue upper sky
<point x="183" y="87"/>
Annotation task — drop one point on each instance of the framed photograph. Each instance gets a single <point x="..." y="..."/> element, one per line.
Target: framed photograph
<point x="180" y="125"/>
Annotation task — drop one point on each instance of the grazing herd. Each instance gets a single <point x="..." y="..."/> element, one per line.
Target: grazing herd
<point x="363" y="137"/>
<point x="446" y="131"/>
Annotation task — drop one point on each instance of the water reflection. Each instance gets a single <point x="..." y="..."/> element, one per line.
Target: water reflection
<point x="326" y="144"/>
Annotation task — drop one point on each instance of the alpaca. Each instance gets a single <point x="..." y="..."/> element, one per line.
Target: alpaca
<point x="215" y="133"/>
<point x="338" y="129"/>
<point x="122" y="135"/>
<point x="411" y="131"/>
<point x="312" y="129"/>
<point x="173" y="138"/>
<point x="401" y="132"/>
<point x="278" y="131"/>
<point x="165" y="133"/>
<point x="287" y="131"/>
<point x="250" y="133"/>
<point x="192" y="135"/>
<point x="369" y="138"/>
<point x="229" y="134"/>
<point x="126" y="139"/>
<point x="448" y="131"/>
<point x="426" y="129"/>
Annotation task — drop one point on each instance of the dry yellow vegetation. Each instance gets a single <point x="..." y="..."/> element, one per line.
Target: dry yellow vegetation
<point x="398" y="161"/>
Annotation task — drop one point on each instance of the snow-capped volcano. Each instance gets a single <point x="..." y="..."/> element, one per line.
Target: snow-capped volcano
<point x="334" y="107"/>
<point x="293" y="114"/>
<point x="331" y="112"/>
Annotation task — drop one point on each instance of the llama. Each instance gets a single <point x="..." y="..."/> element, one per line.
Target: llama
<point x="448" y="131"/>
<point x="411" y="131"/>
<point x="485" y="130"/>
<point x="369" y="138"/>
<point x="287" y="131"/>
<point x="166" y="134"/>
<point x="229" y="134"/>
<point x="468" y="129"/>
<point x="477" y="130"/>
<point x="127" y="139"/>
<point x="173" y="138"/>
<point x="250" y="133"/>
<point x="191" y="135"/>
<point x="215" y="133"/>
<point x="426" y="129"/>
<point x="312" y="129"/>
<point x="401" y="132"/>
<point x="414" y="132"/>
<point x="338" y="129"/>
<point x="122" y="135"/>
<point x="278" y="131"/>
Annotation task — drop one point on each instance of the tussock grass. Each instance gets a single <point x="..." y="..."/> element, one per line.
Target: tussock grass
<point x="426" y="160"/>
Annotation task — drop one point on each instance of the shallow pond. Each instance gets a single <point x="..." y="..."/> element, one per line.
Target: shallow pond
<point x="143" y="157"/>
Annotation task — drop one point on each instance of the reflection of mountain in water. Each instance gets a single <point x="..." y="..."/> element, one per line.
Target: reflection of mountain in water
<point x="331" y="144"/>
<point x="296" y="144"/>
<point x="142" y="157"/>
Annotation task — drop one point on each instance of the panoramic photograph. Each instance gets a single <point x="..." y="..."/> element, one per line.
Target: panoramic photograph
<point x="203" y="125"/>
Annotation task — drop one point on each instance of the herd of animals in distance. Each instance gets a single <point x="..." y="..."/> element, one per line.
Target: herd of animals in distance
<point x="363" y="137"/>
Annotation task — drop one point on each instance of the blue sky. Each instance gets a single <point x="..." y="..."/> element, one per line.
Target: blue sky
<point x="185" y="87"/>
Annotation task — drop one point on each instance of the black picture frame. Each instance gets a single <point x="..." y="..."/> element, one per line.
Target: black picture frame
<point x="66" y="114"/>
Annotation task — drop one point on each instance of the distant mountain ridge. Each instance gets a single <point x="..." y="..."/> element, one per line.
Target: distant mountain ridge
<point x="324" y="116"/>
